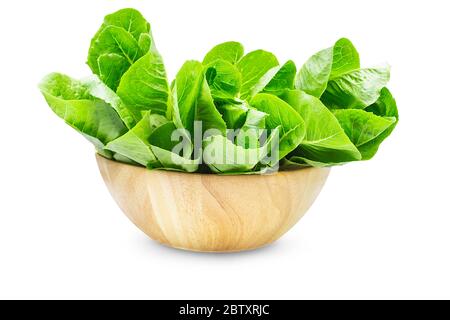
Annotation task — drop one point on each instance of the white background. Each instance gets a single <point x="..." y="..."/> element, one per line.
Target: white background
<point x="379" y="229"/>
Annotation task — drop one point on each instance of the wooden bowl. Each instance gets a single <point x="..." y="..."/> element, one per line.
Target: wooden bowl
<point x="209" y="212"/>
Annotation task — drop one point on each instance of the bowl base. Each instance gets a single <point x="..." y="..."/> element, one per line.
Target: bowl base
<point x="193" y="250"/>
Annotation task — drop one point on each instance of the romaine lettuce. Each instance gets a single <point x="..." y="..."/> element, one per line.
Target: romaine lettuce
<point x="232" y="113"/>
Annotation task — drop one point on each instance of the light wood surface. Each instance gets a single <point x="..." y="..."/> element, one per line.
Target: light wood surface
<point x="209" y="212"/>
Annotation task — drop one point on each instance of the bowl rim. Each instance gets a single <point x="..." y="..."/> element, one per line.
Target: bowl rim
<point x="175" y="172"/>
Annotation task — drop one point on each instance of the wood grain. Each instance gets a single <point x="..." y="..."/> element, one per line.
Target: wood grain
<point x="208" y="212"/>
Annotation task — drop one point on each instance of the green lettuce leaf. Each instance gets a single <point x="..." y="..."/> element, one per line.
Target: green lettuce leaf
<point x="123" y="38"/>
<point x="251" y="131"/>
<point x="298" y="162"/>
<point x="134" y="144"/>
<point x="173" y="162"/>
<point x="356" y="89"/>
<point x="386" y="108"/>
<point x="325" y="65"/>
<point x="137" y="145"/>
<point x="194" y="101"/>
<point x="224" y="80"/>
<point x="130" y="20"/>
<point x="234" y="115"/>
<point x="98" y="89"/>
<point x="116" y="40"/>
<point x="111" y="67"/>
<point x="95" y="119"/>
<point x="325" y="140"/>
<point x="230" y="52"/>
<point x="276" y="80"/>
<point x="253" y="66"/>
<point x="223" y="156"/>
<point x="144" y="86"/>
<point x="281" y="115"/>
<point x="161" y="136"/>
<point x="282" y="80"/>
<point x="361" y="126"/>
